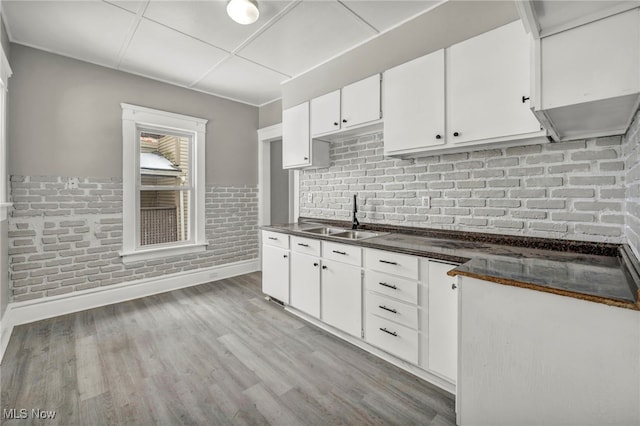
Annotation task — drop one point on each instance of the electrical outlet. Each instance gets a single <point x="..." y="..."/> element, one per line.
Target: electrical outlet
<point x="426" y="202"/>
<point x="309" y="197"/>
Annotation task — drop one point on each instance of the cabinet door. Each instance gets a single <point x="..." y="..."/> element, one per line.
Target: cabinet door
<point x="596" y="61"/>
<point x="275" y="272"/>
<point x="443" y="320"/>
<point x="305" y="283"/>
<point x="295" y="136"/>
<point x="361" y="102"/>
<point x="342" y="296"/>
<point x="325" y="113"/>
<point x="487" y="78"/>
<point x="414" y="104"/>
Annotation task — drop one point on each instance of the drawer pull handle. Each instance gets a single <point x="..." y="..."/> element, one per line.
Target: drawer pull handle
<point x="272" y="238"/>
<point x="303" y="245"/>
<point x="340" y="252"/>
<point x="388" y="309"/>
<point x="388" y="262"/>
<point x="393" y="333"/>
<point x="389" y="285"/>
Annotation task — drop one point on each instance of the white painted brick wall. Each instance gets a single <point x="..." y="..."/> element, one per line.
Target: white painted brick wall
<point x="632" y="166"/>
<point x="63" y="240"/>
<point x="571" y="190"/>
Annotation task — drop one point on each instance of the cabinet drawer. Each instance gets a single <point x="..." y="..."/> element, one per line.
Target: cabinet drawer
<point x="305" y="245"/>
<point x="275" y="239"/>
<point x="400" y="288"/>
<point x="403" y="265"/>
<point x="342" y="253"/>
<point x="396" y="339"/>
<point x="393" y="310"/>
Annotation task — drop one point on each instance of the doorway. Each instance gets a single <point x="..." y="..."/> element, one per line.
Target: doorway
<point x="280" y="199"/>
<point x="277" y="188"/>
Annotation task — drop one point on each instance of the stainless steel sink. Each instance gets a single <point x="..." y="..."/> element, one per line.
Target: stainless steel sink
<point x="356" y="235"/>
<point x="324" y="231"/>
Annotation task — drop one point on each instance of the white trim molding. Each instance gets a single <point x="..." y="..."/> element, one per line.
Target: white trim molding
<point x="39" y="309"/>
<point x="134" y="118"/>
<point x="266" y="135"/>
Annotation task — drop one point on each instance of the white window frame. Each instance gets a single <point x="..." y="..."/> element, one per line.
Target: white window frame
<point x="5" y="73"/>
<point x="135" y="118"/>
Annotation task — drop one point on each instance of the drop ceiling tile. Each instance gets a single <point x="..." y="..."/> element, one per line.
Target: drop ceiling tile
<point x="160" y="52"/>
<point x="92" y="31"/>
<point x="309" y="34"/>
<point x="208" y="20"/>
<point x="130" y="5"/>
<point x="383" y="15"/>
<point x="240" y="79"/>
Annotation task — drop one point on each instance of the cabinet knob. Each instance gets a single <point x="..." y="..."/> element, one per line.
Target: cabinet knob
<point x="344" y="120"/>
<point x="315" y="264"/>
<point x="525" y="98"/>
<point x="438" y="137"/>
<point x="453" y="286"/>
<point x="324" y="266"/>
<point x="456" y="134"/>
<point x="306" y="158"/>
<point x="285" y="256"/>
<point x="335" y="123"/>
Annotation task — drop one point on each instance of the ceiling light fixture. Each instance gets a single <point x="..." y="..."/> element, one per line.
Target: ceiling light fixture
<point x="244" y="12"/>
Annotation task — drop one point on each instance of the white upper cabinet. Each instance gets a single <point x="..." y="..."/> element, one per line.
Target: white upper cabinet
<point x="361" y="102"/>
<point x="587" y="78"/>
<point x="413" y="96"/>
<point x="473" y="93"/>
<point x="325" y="113"/>
<point x="353" y="106"/>
<point x="488" y="86"/>
<point x="298" y="150"/>
<point x="543" y="18"/>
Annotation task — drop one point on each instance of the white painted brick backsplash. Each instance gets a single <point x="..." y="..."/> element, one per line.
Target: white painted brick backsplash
<point x="63" y="240"/>
<point x="631" y="149"/>
<point x="571" y="190"/>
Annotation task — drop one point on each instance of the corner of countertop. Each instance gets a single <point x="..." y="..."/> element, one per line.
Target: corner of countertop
<point x="631" y="266"/>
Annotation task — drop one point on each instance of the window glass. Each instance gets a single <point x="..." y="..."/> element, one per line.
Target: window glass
<point x="164" y="191"/>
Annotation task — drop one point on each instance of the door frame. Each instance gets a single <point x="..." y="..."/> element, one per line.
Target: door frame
<point x="266" y="135"/>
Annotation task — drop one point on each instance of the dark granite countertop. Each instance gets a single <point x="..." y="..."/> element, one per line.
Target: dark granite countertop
<point x="598" y="272"/>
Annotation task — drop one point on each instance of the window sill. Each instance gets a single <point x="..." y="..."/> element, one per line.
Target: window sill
<point x="160" y="252"/>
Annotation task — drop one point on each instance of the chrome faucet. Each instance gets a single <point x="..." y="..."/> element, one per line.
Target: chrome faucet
<point x="354" y="222"/>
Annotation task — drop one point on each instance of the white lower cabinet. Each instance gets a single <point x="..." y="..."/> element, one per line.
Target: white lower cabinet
<point x="392" y="337"/>
<point x="275" y="272"/>
<point x="443" y="321"/>
<point x="305" y="275"/>
<point x="391" y="314"/>
<point x="305" y="283"/>
<point x="409" y="307"/>
<point x="342" y="296"/>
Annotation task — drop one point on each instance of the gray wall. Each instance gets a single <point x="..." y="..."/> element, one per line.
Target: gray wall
<point x="449" y="23"/>
<point x="66" y="119"/>
<point x="270" y="114"/>
<point x="279" y="186"/>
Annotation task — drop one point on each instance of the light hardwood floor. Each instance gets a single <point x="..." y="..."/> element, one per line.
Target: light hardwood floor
<point x="217" y="353"/>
